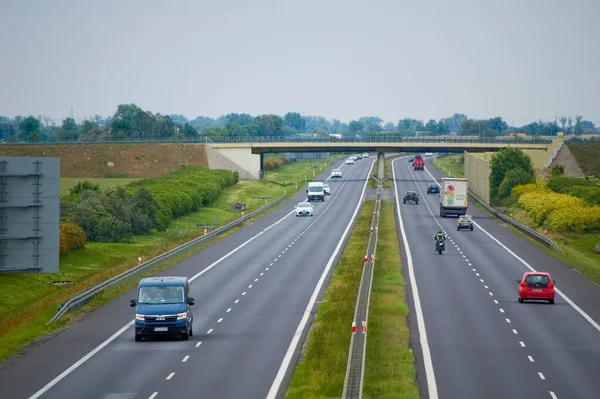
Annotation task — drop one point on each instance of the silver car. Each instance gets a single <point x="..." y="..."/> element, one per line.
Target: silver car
<point x="304" y="209"/>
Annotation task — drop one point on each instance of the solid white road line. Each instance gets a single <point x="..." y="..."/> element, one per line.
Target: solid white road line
<point x="285" y="364"/>
<point x="559" y="292"/>
<point x="428" y="364"/>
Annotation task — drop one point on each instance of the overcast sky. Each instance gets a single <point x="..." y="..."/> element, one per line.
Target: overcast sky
<point x="519" y="59"/>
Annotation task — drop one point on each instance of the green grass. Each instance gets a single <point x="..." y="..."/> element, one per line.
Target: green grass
<point x="100" y="261"/>
<point x="298" y="172"/>
<point x="389" y="364"/>
<point x="322" y="367"/>
<point x="69" y="182"/>
<point x="452" y="165"/>
<point x="578" y="248"/>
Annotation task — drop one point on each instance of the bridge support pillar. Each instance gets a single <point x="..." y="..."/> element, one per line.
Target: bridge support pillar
<point x="262" y="166"/>
<point x="380" y="165"/>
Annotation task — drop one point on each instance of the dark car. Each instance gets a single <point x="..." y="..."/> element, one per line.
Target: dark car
<point x="411" y="160"/>
<point x="162" y="307"/>
<point x="433" y="189"/>
<point x="411" y="196"/>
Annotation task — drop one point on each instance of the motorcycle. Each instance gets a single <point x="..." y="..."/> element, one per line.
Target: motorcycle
<point x="440" y="246"/>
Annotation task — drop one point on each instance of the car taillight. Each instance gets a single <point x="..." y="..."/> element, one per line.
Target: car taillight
<point x="523" y="284"/>
<point x="550" y="285"/>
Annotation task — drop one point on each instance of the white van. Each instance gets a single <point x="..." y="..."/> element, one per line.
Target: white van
<point x="316" y="191"/>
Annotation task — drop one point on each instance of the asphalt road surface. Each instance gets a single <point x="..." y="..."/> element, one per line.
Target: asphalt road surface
<point x="248" y="310"/>
<point x="480" y="342"/>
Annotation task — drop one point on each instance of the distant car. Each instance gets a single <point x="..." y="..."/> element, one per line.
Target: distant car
<point x="536" y="286"/>
<point x="365" y="155"/>
<point x="411" y="196"/>
<point x="428" y="154"/>
<point x="433" y="189"/>
<point x="411" y="160"/>
<point x="464" y="222"/>
<point x="336" y="174"/>
<point x="326" y="189"/>
<point x="349" y="161"/>
<point x="304" y="209"/>
<point x="358" y="157"/>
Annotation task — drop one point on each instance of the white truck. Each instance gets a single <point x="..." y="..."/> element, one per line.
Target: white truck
<point x="453" y="196"/>
<point x="316" y="191"/>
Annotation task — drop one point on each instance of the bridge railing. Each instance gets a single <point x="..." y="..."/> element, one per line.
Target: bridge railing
<point x="293" y="139"/>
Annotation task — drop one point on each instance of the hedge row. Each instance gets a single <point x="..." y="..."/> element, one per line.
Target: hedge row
<point x="71" y="237"/>
<point x="117" y="213"/>
<point x="273" y="163"/>
<point x="563" y="211"/>
<point x="184" y="191"/>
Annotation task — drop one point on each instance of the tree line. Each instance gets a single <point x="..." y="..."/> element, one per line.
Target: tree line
<point x="132" y="122"/>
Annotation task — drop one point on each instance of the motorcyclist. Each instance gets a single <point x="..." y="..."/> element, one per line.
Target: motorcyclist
<point x="440" y="237"/>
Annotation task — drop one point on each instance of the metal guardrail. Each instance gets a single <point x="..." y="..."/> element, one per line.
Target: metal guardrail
<point x="519" y="226"/>
<point x="291" y="139"/>
<point x="355" y="369"/>
<point x="84" y="297"/>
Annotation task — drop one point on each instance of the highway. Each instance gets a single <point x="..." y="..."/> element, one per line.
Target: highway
<point x="471" y="337"/>
<point x="254" y="293"/>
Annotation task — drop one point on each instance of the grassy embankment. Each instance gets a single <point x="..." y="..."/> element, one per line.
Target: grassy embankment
<point x="389" y="364"/>
<point x="578" y="247"/>
<point x="27" y="302"/>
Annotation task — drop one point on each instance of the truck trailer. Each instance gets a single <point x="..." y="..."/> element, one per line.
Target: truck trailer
<point x="454" y="194"/>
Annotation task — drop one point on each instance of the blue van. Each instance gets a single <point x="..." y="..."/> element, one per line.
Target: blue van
<point x="162" y="307"/>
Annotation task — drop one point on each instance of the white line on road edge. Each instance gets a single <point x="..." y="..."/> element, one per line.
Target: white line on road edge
<point x="285" y="364"/>
<point x="563" y="295"/>
<point x="428" y="364"/>
<point x="97" y="349"/>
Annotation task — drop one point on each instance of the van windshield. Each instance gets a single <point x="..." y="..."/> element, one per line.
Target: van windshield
<point x="315" y="189"/>
<point x="161" y="294"/>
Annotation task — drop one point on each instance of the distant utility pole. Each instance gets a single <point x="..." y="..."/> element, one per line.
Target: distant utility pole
<point x="71" y="112"/>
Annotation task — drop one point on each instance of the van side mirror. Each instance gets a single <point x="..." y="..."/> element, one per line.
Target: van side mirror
<point x="132" y="303"/>
<point x="518" y="281"/>
<point x="554" y="281"/>
<point x="306" y="190"/>
<point x="190" y="301"/>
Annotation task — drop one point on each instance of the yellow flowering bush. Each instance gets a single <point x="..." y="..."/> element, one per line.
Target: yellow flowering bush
<point x="564" y="211"/>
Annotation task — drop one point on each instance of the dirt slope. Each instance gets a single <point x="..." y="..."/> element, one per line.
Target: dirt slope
<point x="587" y="157"/>
<point x="130" y="160"/>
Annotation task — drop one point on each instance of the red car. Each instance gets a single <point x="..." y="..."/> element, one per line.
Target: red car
<point x="419" y="164"/>
<point x="536" y="286"/>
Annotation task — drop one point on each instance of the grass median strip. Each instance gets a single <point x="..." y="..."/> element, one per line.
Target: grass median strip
<point x="389" y="363"/>
<point x="389" y="366"/>
<point x="28" y="301"/>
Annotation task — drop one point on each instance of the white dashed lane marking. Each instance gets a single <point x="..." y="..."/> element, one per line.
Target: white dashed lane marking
<point x="209" y="331"/>
<point x="515" y="331"/>
<point x="522" y="344"/>
<point x="220" y="320"/>
<point x="153" y="395"/>
<point x="228" y="310"/>
<point x="541" y="376"/>
<point x="198" y="344"/>
<point x="170" y="376"/>
<point x="236" y="301"/>
<point x="185" y="359"/>
<point x="530" y="359"/>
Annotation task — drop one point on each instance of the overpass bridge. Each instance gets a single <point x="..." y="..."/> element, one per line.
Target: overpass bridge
<point x="248" y="152"/>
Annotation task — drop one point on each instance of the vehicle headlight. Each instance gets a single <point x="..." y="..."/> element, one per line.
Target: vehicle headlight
<point x="139" y="317"/>
<point x="182" y="316"/>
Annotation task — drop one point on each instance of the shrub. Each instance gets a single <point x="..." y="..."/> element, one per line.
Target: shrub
<point x="82" y="186"/>
<point x="273" y="163"/>
<point x="557" y="170"/>
<point x="71" y="237"/>
<point x="563" y="211"/>
<point x="586" y="189"/>
<point x="111" y="229"/>
<point x="513" y="178"/>
<point x="506" y="160"/>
